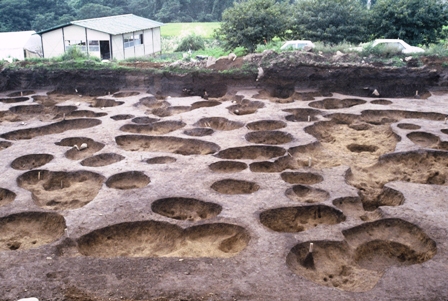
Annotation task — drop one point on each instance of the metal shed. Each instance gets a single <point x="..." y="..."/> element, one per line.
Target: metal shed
<point x="115" y="37"/>
<point x="19" y="45"/>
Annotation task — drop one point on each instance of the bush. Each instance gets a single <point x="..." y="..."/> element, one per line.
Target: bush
<point x="383" y="51"/>
<point x="73" y="53"/>
<point x="191" y="42"/>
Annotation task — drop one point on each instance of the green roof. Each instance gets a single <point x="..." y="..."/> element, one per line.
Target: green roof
<point x="114" y="24"/>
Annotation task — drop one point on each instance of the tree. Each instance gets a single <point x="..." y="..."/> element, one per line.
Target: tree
<point x="91" y="10"/>
<point x="253" y="22"/>
<point x="330" y="22"/>
<point x="415" y="21"/>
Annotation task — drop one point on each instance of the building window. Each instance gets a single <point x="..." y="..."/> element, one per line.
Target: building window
<point x="81" y="45"/>
<point x="94" y="46"/>
<point x="130" y="40"/>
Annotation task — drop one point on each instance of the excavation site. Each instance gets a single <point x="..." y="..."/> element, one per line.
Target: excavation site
<point x="300" y="185"/>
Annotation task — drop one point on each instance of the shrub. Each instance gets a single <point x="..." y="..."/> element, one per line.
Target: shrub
<point x="74" y="53"/>
<point x="191" y="42"/>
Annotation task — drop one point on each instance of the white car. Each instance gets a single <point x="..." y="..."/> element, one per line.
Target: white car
<point x="395" y="44"/>
<point x="297" y="45"/>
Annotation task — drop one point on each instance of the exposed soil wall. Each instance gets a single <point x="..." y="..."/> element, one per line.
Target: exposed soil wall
<point x="280" y="78"/>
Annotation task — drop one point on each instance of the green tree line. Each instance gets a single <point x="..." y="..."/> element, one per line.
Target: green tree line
<point x="20" y="15"/>
<point x="249" y="23"/>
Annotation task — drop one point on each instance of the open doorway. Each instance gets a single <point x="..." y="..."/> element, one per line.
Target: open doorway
<point x="105" y="50"/>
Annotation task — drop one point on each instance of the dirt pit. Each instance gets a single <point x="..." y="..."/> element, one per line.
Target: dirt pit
<point x="102" y="160"/>
<point x="6" y="196"/>
<point x="128" y="180"/>
<point x="269" y="137"/>
<point x="60" y="190"/>
<point x="58" y="127"/>
<point x="219" y="124"/>
<point x="231" y="186"/>
<point x="166" y="144"/>
<point x="161" y="160"/>
<point x="297" y="219"/>
<point x="157" y="239"/>
<point x="80" y="147"/>
<point x="133" y="196"/>
<point x="266" y="125"/>
<point x="186" y="209"/>
<point x="228" y="166"/>
<point x="358" y="263"/>
<point x="29" y="230"/>
<point x="31" y="161"/>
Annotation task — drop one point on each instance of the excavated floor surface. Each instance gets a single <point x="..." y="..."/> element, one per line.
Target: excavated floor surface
<point x="245" y="197"/>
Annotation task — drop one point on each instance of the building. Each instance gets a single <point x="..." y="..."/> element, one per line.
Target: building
<point x="116" y="37"/>
<point x="19" y="45"/>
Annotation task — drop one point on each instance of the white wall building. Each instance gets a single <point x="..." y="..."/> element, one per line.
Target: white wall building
<point x="19" y="45"/>
<point x="116" y="37"/>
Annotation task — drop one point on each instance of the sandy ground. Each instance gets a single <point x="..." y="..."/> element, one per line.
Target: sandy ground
<point x="245" y="197"/>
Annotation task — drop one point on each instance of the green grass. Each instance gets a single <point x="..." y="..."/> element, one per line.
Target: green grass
<point x="204" y="29"/>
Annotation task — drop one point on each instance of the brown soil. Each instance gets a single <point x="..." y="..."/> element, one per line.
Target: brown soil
<point x="6" y="196"/>
<point x="297" y="219"/>
<point x="228" y="166"/>
<point x="186" y="209"/>
<point x="102" y="160"/>
<point x="128" y="180"/>
<point x="231" y="186"/>
<point x="31" y="161"/>
<point x="29" y="230"/>
<point x="166" y="144"/>
<point x="221" y="198"/>
<point x="76" y="152"/>
<point x="161" y="160"/>
<point x="61" y="190"/>
<point x="157" y="239"/>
